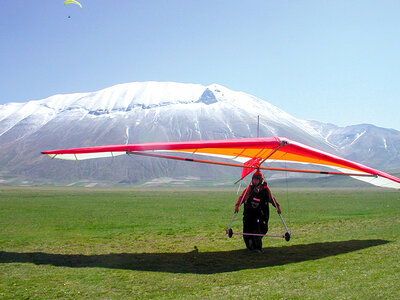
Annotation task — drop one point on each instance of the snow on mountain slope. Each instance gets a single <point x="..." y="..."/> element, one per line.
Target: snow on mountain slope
<point x="364" y="143"/>
<point x="122" y="97"/>
<point x="125" y="98"/>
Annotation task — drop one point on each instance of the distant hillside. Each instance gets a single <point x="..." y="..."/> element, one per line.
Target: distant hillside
<point x="161" y="111"/>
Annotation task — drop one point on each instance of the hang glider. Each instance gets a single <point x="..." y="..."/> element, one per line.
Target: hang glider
<point x="246" y="153"/>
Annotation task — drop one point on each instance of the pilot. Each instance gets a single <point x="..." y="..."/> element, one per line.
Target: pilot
<point x="256" y="199"/>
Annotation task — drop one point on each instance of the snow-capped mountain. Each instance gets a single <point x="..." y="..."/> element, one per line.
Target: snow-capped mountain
<point x="365" y="143"/>
<point x="161" y="111"/>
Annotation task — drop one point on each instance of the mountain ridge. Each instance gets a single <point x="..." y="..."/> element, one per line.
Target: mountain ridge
<point x="163" y="111"/>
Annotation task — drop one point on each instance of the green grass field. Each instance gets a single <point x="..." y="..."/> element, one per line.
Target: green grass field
<point x="75" y="243"/>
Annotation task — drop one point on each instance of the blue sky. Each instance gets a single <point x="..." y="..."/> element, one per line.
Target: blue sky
<point x="331" y="61"/>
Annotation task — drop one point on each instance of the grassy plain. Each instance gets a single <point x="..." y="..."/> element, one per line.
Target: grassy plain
<point x="170" y="244"/>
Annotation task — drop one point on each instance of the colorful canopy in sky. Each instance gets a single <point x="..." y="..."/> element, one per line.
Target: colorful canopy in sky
<point x="250" y="153"/>
<point x="72" y="2"/>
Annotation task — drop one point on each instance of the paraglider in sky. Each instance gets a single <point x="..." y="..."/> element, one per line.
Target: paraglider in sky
<point x="72" y="2"/>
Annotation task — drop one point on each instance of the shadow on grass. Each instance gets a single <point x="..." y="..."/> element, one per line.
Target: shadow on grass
<point x="194" y="262"/>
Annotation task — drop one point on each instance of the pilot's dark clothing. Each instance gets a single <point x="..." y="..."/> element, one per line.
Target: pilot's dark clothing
<point x="256" y="214"/>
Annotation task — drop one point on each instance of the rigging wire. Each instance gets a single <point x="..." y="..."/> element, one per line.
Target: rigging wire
<point x="287" y="196"/>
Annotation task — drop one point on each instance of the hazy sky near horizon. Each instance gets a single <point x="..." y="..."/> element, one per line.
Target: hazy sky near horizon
<point x="331" y="61"/>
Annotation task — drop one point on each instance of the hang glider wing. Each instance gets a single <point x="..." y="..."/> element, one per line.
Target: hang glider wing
<point x="248" y="154"/>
